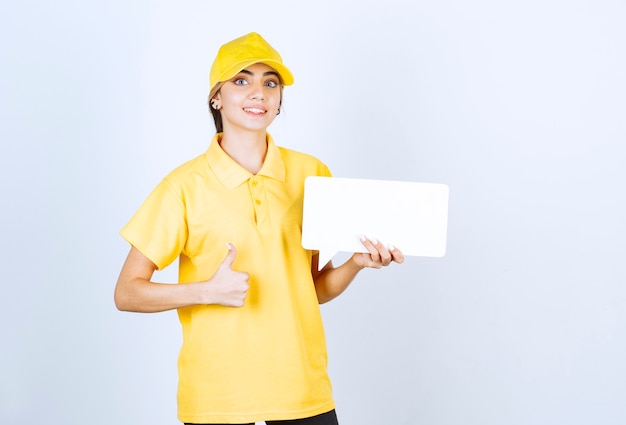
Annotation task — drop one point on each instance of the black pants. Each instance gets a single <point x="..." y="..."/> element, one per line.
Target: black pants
<point x="329" y="418"/>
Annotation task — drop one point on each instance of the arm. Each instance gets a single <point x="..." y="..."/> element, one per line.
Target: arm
<point x="331" y="281"/>
<point x="136" y="292"/>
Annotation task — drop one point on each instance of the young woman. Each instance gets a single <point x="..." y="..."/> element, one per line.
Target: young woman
<point x="248" y="294"/>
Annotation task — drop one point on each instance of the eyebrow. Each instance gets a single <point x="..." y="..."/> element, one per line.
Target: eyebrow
<point x="245" y="71"/>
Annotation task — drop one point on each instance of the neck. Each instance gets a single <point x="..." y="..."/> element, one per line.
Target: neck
<point x="248" y="149"/>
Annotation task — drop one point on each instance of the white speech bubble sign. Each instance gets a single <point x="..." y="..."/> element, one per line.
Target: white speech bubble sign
<point x="410" y="216"/>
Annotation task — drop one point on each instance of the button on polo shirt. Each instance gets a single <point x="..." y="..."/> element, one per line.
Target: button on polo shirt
<point x="266" y="360"/>
<point x="232" y="175"/>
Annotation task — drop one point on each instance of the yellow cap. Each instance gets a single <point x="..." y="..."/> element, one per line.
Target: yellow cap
<point x="242" y="52"/>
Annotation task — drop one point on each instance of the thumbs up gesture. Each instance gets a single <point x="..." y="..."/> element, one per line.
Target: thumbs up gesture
<point x="228" y="287"/>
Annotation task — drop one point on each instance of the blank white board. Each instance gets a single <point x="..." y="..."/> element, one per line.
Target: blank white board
<point x="408" y="215"/>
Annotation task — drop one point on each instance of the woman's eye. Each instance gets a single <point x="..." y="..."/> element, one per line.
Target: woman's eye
<point x="240" y="82"/>
<point x="271" y="84"/>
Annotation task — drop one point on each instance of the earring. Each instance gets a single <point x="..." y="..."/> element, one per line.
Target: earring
<point x="215" y="105"/>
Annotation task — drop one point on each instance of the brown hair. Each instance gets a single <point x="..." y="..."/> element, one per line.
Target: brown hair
<point x="217" y="115"/>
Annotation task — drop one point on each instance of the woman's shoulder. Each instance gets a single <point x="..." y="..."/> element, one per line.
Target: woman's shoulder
<point x="294" y="156"/>
<point x="303" y="164"/>
<point x="187" y="170"/>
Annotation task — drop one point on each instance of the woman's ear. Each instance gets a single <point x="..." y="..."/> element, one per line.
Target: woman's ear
<point x="216" y="102"/>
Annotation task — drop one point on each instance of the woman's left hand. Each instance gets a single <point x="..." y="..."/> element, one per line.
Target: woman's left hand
<point x="378" y="254"/>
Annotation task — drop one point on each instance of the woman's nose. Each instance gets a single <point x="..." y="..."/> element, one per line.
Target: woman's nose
<point x="256" y="92"/>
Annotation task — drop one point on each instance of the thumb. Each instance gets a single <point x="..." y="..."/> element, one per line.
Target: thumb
<point x="230" y="257"/>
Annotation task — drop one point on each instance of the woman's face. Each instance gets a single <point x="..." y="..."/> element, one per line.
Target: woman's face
<point x="250" y="100"/>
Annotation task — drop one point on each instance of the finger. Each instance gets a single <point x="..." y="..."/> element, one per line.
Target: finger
<point x="230" y="257"/>
<point x="383" y="253"/>
<point x="370" y="245"/>
<point x="397" y="255"/>
<point x="385" y="256"/>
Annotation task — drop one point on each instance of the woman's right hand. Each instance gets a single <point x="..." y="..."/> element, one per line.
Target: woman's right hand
<point x="227" y="287"/>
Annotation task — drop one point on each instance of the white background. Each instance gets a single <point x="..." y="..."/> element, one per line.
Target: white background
<point x="518" y="106"/>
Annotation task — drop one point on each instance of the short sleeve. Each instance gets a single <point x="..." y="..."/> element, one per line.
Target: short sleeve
<point x="159" y="229"/>
<point x="323" y="170"/>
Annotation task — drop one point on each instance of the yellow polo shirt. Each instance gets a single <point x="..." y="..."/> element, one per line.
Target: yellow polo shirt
<point x="266" y="360"/>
